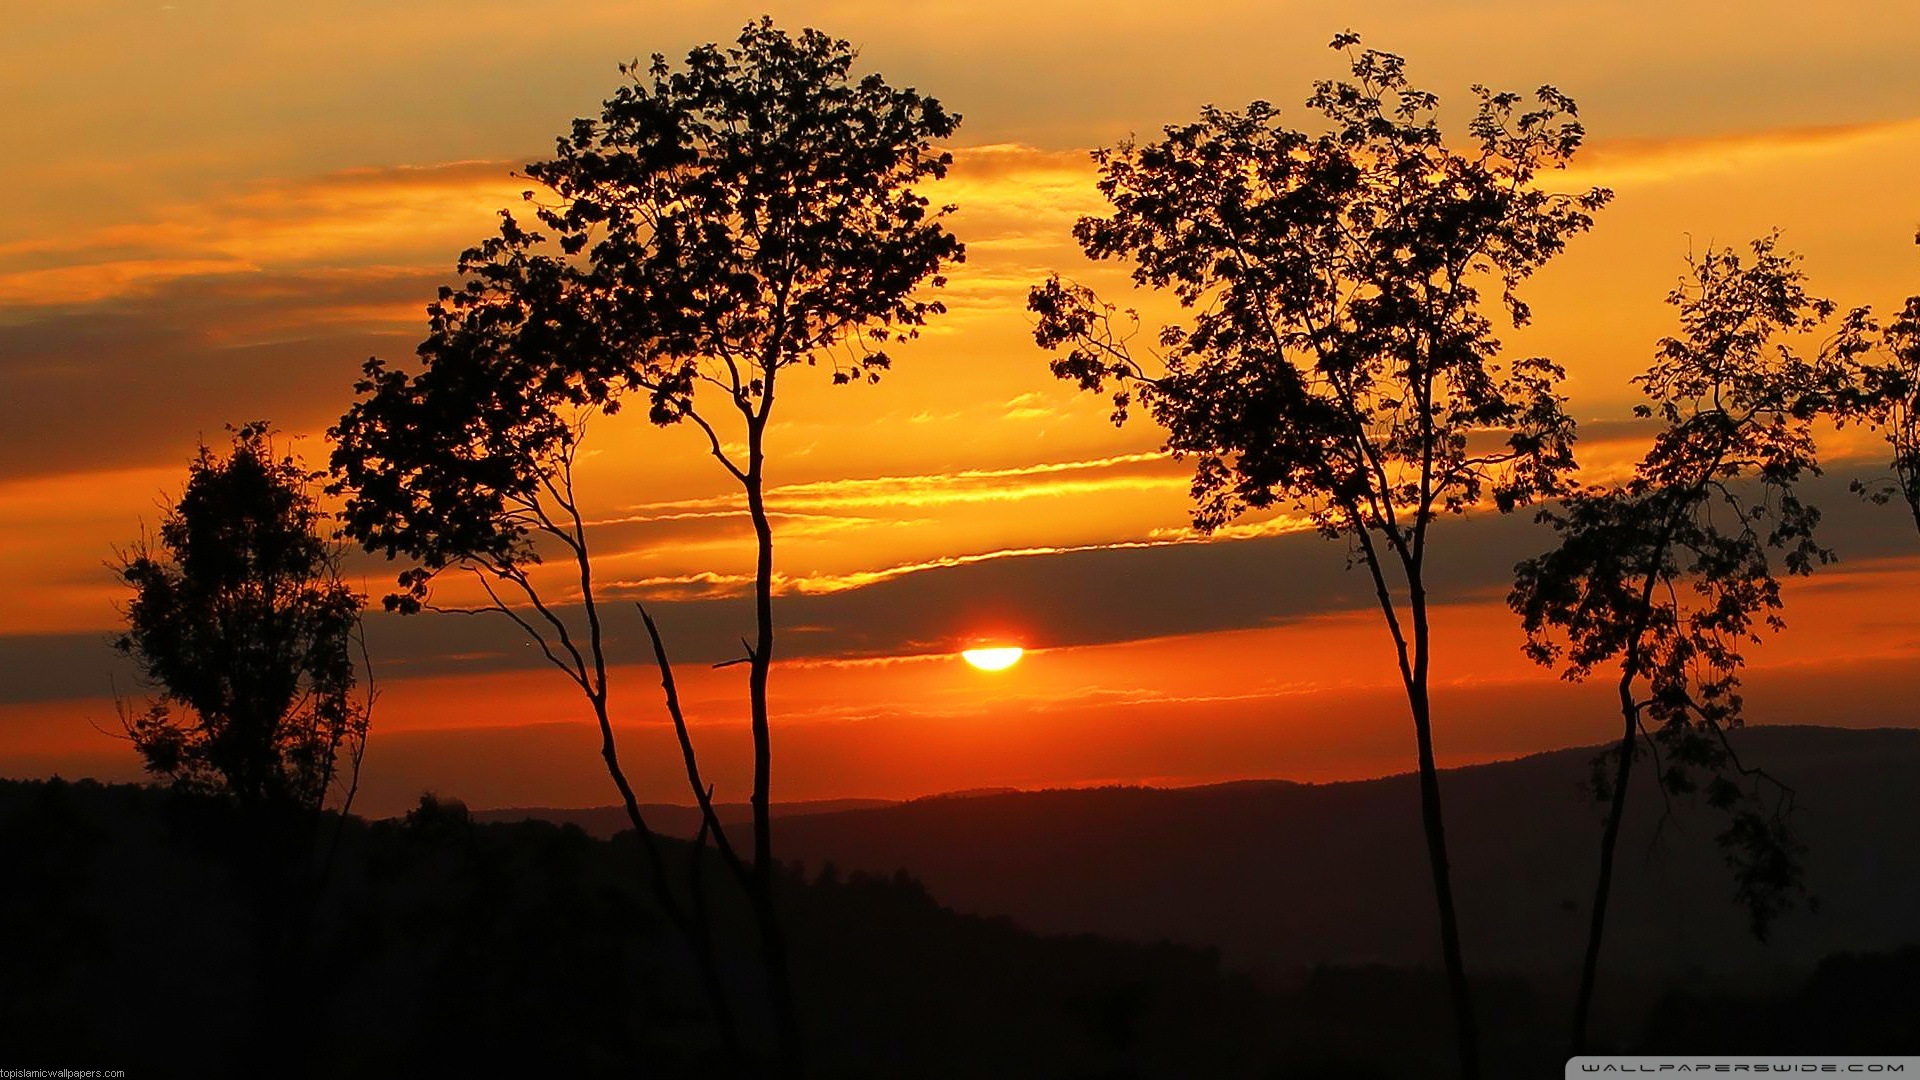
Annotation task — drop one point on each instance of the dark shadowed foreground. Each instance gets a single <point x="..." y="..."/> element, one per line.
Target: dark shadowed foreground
<point x="444" y="947"/>
<point x="144" y="934"/>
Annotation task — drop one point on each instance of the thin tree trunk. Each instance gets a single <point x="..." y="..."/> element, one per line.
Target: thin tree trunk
<point x="772" y="935"/>
<point x="1602" y="889"/>
<point x="1413" y="676"/>
<point x="593" y="684"/>
<point x="356" y="757"/>
<point x="702" y="920"/>
<point x="1610" y="837"/>
<point x="694" y="927"/>
<point x="1465" y="1028"/>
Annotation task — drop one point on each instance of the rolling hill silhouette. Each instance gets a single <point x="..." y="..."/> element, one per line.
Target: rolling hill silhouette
<point x="671" y="819"/>
<point x="1281" y="876"/>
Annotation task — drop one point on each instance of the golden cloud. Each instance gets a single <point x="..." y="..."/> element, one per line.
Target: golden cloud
<point x="410" y="217"/>
<point x="1656" y="159"/>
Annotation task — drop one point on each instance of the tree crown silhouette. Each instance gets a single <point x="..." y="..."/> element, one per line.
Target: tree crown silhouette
<point x="714" y="226"/>
<point x="1885" y="396"/>
<point x="1672" y="573"/>
<point x="1338" y="359"/>
<point x="239" y="618"/>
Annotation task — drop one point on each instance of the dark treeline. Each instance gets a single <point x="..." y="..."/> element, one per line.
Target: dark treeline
<point x="450" y="947"/>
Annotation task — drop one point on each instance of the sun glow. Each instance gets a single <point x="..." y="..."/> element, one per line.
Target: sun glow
<point x="995" y="659"/>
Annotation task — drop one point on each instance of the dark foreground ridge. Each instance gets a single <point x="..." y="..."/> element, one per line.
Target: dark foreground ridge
<point x="143" y="933"/>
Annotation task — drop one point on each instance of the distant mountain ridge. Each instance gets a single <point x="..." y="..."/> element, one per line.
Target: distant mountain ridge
<point x="671" y="819"/>
<point x="1282" y="875"/>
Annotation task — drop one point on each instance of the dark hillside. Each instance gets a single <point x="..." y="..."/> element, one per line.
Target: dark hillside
<point x="1282" y="876"/>
<point x="668" y="818"/>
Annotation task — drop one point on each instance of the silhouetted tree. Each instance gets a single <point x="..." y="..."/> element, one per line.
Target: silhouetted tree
<point x="1339" y="361"/>
<point x="240" y="621"/>
<point x="1885" y="396"/>
<point x="752" y="212"/>
<point x="1669" y="575"/>
<point x="241" y="625"/>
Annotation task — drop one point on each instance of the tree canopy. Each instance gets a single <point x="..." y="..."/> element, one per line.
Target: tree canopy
<point x="1885" y="396"/>
<point x="752" y="211"/>
<point x="1339" y="360"/>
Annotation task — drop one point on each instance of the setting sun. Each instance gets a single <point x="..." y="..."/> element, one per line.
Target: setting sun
<point x="995" y="659"/>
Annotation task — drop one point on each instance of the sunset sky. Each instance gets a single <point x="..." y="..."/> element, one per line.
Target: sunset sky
<point x="214" y="212"/>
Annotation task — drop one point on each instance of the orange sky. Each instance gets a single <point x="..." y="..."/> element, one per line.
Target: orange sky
<point x="215" y="211"/>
